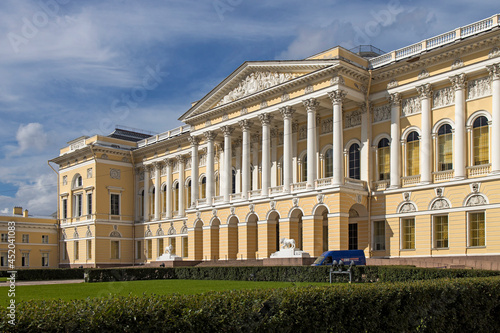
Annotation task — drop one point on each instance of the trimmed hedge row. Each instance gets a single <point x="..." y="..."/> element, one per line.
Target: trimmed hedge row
<point x="281" y="273"/>
<point x="47" y="274"/>
<point x="460" y="305"/>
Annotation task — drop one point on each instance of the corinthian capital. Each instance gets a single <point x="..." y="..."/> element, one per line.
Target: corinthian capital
<point x="181" y="159"/>
<point x="210" y="135"/>
<point x="395" y="99"/>
<point x="310" y="104"/>
<point x="287" y="112"/>
<point x="425" y="91"/>
<point x="227" y="130"/>
<point x="194" y="141"/>
<point x="265" y="118"/>
<point x="245" y="124"/>
<point x="458" y="81"/>
<point x="494" y="71"/>
<point x="168" y="162"/>
<point x="337" y="96"/>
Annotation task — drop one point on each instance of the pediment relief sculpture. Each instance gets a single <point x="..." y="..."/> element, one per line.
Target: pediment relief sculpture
<point x="255" y="82"/>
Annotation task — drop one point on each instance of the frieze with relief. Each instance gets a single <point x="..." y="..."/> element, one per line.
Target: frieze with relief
<point x="479" y="88"/>
<point x="256" y="82"/>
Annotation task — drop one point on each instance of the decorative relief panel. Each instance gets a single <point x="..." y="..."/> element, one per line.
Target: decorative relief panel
<point x="495" y="52"/>
<point x="285" y="97"/>
<point x="476" y="200"/>
<point x="175" y="165"/>
<point x="457" y="64"/>
<point x="392" y="84"/>
<point x="382" y="113"/>
<point x="203" y="160"/>
<point x="65" y="180"/>
<point x="443" y="97"/>
<point x="479" y="87"/>
<point x="302" y="132"/>
<point x="407" y="208"/>
<point x="423" y="74"/>
<point x="188" y="163"/>
<point x="309" y="89"/>
<point x="256" y="82"/>
<point x="327" y="125"/>
<point x="115" y="173"/>
<point x="352" y="119"/>
<point x="411" y="106"/>
<point x="440" y="204"/>
<point x="89" y="173"/>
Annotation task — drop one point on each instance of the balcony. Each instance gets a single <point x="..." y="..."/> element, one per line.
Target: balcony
<point x="478" y="170"/>
<point x="381" y="185"/>
<point x="298" y="186"/>
<point x="276" y="190"/>
<point x="202" y="201"/>
<point x="254" y="193"/>
<point x="355" y="182"/>
<point x="236" y="196"/>
<point x="324" y="182"/>
<point x="410" y="180"/>
<point x="441" y="176"/>
<point x="218" y="199"/>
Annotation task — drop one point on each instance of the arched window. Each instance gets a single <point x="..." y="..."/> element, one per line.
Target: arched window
<point x="354" y="163"/>
<point x="188" y="194"/>
<point x="203" y="187"/>
<point x="175" y="197"/>
<point x="412" y="154"/>
<point x="329" y="163"/>
<point x="384" y="159"/>
<point x="303" y="168"/>
<point x="77" y="181"/>
<point x="445" y="148"/>
<point x="480" y="141"/>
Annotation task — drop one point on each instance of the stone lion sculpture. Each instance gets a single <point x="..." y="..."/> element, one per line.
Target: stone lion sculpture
<point x="169" y="249"/>
<point x="287" y="243"/>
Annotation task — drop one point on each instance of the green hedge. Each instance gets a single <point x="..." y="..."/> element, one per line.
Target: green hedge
<point x="280" y="273"/>
<point x="459" y="305"/>
<point x="47" y="274"/>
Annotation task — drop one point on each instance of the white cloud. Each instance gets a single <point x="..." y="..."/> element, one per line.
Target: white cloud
<point x="30" y="136"/>
<point x="4" y="211"/>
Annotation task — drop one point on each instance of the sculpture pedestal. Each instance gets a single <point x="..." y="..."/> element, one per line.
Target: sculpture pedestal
<point x="290" y="253"/>
<point x="168" y="257"/>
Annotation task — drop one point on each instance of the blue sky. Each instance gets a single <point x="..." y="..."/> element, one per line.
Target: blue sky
<point x="68" y="68"/>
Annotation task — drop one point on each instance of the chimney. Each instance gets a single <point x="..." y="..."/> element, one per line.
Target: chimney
<point x="18" y="211"/>
<point x="25" y="214"/>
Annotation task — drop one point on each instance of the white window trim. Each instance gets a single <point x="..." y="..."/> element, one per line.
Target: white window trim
<point x="468" y="230"/>
<point x="111" y="249"/>
<point x="401" y="232"/>
<point x="433" y="232"/>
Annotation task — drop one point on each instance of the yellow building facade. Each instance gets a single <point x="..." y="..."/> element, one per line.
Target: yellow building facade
<point x="397" y="154"/>
<point x="28" y="241"/>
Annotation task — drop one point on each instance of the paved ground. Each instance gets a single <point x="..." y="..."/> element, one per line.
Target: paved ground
<point x="34" y="283"/>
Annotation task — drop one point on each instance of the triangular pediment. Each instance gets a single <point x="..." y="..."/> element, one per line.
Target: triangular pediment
<point x="251" y="79"/>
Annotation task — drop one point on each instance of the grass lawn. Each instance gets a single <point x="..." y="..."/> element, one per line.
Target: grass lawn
<point x="159" y="287"/>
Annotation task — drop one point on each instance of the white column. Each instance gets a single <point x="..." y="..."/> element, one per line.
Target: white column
<point x="365" y="149"/>
<point x="395" y="100"/>
<point x="157" y="190"/>
<point x="318" y="148"/>
<point x="425" y="152"/>
<point x="222" y="177"/>
<point x="266" y="118"/>
<point x="195" y="171"/>
<point x="228" y="157"/>
<point x="137" y="195"/>
<point x="311" y="105"/>
<point x="245" y="157"/>
<point x="146" y="193"/>
<point x="495" y="117"/>
<point x="337" y="98"/>
<point x="274" y="157"/>
<point x="286" y="113"/>
<point x="237" y="166"/>
<point x="255" y="161"/>
<point x="168" y="187"/>
<point x="295" y="158"/>
<point x="459" y="84"/>
<point x="210" y="137"/>
<point x="180" y="162"/>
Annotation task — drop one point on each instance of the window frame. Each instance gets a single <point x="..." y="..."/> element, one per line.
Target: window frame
<point x="387" y="151"/>
<point x="354" y="172"/>
<point x="45" y="255"/>
<point x="469" y="236"/>
<point x="435" y="231"/>
<point x="374" y="235"/>
<point x="438" y="146"/>
<point x="118" y="253"/>
<point x="411" y="172"/>
<point x="111" y="204"/>
<point x="403" y="234"/>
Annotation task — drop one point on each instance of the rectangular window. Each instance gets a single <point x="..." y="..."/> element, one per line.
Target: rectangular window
<point x="45" y="259"/>
<point x="76" y="250"/>
<point x="65" y="208"/>
<point x="45" y="239"/>
<point x="353" y="236"/>
<point x="138" y="250"/>
<point x="150" y="248"/>
<point x="4" y="258"/>
<point x="412" y="158"/>
<point x="379" y="235"/>
<point x="384" y="163"/>
<point x="481" y="145"/>
<point x="5" y="238"/>
<point x="89" y="204"/>
<point x="115" y="204"/>
<point x="77" y="207"/>
<point x="115" y="249"/>
<point x="477" y="229"/>
<point x="185" y="246"/>
<point x="161" y="247"/>
<point x="441" y="231"/>
<point x="65" y="250"/>
<point x="89" y="249"/>
<point x="445" y="149"/>
<point x="25" y="259"/>
<point x="26" y="238"/>
<point x="408" y="234"/>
